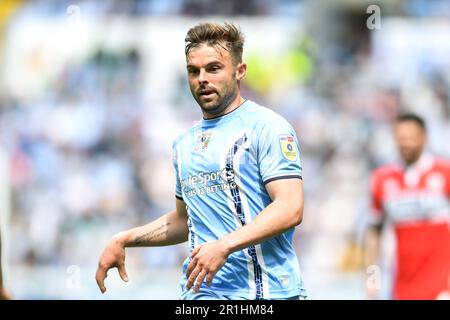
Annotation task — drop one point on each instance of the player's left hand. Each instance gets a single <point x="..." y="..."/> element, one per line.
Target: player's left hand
<point x="206" y="260"/>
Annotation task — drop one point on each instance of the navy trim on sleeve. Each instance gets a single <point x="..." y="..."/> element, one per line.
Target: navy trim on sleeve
<point x="283" y="177"/>
<point x="178" y="197"/>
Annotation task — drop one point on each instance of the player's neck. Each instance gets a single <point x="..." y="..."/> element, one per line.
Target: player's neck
<point x="236" y="103"/>
<point x="416" y="161"/>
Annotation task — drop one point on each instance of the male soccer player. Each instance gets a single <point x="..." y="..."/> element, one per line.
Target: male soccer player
<point x="239" y="189"/>
<point x="414" y="196"/>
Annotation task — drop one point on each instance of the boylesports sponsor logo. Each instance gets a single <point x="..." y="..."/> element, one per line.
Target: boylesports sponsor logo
<point x="208" y="182"/>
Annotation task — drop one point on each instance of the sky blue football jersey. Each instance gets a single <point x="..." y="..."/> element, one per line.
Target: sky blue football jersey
<point x="222" y="166"/>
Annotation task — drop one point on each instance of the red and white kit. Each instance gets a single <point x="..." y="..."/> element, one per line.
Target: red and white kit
<point x="416" y="200"/>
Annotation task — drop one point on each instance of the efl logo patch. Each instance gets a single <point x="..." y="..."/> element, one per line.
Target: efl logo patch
<point x="288" y="147"/>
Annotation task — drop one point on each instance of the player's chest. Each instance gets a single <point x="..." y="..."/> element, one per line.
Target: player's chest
<point x="410" y="198"/>
<point x="212" y="150"/>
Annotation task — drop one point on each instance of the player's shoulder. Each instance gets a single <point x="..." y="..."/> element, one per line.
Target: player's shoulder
<point x="442" y="163"/>
<point x="262" y="116"/>
<point x="386" y="171"/>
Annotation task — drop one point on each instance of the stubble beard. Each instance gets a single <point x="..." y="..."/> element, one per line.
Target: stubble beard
<point x="411" y="157"/>
<point x="215" y="108"/>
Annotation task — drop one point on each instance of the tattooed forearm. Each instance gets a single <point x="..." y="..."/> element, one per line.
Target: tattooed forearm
<point x="151" y="237"/>
<point x="153" y="234"/>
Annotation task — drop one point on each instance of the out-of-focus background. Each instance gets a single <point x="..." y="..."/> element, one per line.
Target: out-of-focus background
<point x="92" y="93"/>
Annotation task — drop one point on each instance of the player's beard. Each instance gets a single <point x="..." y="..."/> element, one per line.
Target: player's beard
<point x="219" y="101"/>
<point x="410" y="155"/>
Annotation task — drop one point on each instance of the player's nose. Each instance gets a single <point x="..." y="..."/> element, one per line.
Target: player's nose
<point x="202" y="77"/>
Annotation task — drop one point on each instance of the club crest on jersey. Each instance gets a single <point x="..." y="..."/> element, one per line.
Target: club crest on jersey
<point x="288" y="147"/>
<point x="202" y="141"/>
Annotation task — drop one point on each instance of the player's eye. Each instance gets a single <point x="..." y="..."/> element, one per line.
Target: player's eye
<point x="214" y="68"/>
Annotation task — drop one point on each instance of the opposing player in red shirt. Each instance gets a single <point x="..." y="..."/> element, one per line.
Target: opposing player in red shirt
<point x="414" y="197"/>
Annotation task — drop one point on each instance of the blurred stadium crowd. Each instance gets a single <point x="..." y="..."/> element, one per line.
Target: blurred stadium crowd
<point x="88" y="134"/>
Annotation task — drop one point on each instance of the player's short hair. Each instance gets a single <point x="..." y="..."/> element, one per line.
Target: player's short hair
<point x="214" y="34"/>
<point x="412" y="117"/>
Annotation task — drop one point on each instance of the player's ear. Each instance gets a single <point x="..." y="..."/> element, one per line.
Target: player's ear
<point x="241" y="70"/>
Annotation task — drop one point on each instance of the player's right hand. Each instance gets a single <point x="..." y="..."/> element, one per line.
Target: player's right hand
<point x="112" y="257"/>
